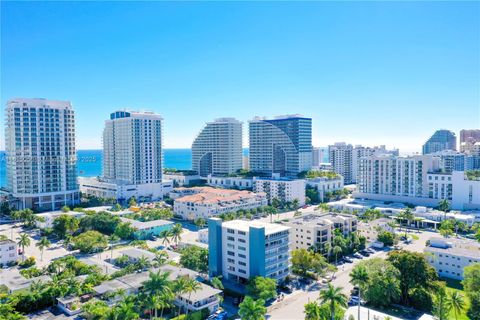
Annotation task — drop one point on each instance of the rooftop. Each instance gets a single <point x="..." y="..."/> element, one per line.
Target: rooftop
<point x="319" y="219"/>
<point x="140" y="225"/>
<point x="14" y="281"/>
<point x="244" y="225"/>
<point x="204" y="292"/>
<point x="460" y="247"/>
<point x="209" y="195"/>
<point x="7" y="241"/>
<point x="137" y="253"/>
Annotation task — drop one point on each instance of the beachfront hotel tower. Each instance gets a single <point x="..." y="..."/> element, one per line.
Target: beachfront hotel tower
<point x="281" y="146"/>
<point x="217" y="149"/>
<point x="40" y="153"/>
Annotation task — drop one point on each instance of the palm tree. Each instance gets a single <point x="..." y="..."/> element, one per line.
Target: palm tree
<point x="176" y="233"/>
<point x="23" y="241"/>
<point x="165" y="235"/>
<point x="143" y="263"/>
<point x="312" y="311"/>
<point x="112" y="239"/>
<point x="295" y="203"/>
<point x="444" y="206"/>
<point x="336" y="251"/>
<point x="160" y="258"/>
<point x="157" y="283"/>
<point x="441" y="305"/>
<point x="408" y="215"/>
<point x="359" y="277"/>
<point x="457" y="303"/>
<point x="252" y="309"/>
<point x="154" y="303"/>
<point x="180" y="287"/>
<point x="200" y="222"/>
<point x="333" y="296"/>
<point x="42" y="245"/>
<point x="191" y="285"/>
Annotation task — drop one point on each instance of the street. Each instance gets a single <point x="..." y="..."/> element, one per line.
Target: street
<point x="291" y="308"/>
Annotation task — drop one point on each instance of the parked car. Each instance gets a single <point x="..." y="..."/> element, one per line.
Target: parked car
<point x="347" y="259"/>
<point x="365" y="253"/>
<point x="358" y="255"/>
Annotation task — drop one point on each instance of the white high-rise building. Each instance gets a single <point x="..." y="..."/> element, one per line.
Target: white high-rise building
<point x="318" y="154"/>
<point x="345" y="158"/>
<point x="403" y="179"/>
<point x="132" y="157"/>
<point x="341" y="157"/>
<point x="217" y="149"/>
<point x="40" y="153"/>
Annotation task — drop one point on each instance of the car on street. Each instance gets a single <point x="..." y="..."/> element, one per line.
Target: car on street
<point x="365" y="253"/>
<point x="358" y="255"/>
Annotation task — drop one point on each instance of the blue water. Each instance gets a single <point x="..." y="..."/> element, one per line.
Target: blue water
<point x="89" y="162"/>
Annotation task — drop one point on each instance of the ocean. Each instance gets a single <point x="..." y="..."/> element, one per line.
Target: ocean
<point x="89" y="163"/>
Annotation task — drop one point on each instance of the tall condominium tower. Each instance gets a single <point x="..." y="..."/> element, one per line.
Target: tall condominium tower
<point x="217" y="149"/>
<point x="341" y="157"/>
<point x="439" y="141"/>
<point x="40" y="152"/>
<point x="281" y="146"/>
<point x="345" y="158"/>
<point x="132" y="147"/>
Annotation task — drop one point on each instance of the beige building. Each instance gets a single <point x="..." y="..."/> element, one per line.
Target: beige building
<point x="318" y="229"/>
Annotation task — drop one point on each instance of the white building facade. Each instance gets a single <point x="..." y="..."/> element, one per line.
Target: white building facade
<point x="285" y="190"/>
<point x="40" y="153"/>
<point x="8" y="252"/>
<point x="217" y="149"/>
<point x="132" y="157"/>
<point x="239" y="250"/>
<point x="324" y="185"/>
<point x="466" y="193"/>
<point x="205" y="202"/>
<point x="450" y="256"/>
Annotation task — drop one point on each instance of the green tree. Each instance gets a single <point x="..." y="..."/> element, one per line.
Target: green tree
<point x="191" y="286"/>
<point x="200" y="223"/>
<point x="103" y="222"/>
<point x="262" y="288"/>
<point x="124" y="230"/>
<point x="359" y="277"/>
<point x="23" y="241"/>
<point x="65" y="209"/>
<point x="165" y="236"/>
<point x="90" y="242"/>
<point x="251" y="309"/>
<point x="65" y="224"/>
<point x="457" y="303"/>
<point x="158" y="283"/>
<point x="441" y="305"/>
<point x="43" y="244"/>
<point x="444" y="206"/>
<point x="217" y="283"/>
<point x="312" y="311"/>
<point x="95" y="310"/>
<point x="386" y="237"/>
<point x="195" y="258"/>
<point x="471" y="285"/>
<point x="132" y="202"/>
<point x="336" y="251"/>
<point x="333" y="297"/>
<point x="414" y="271"/>
<point x="176" y="233"/>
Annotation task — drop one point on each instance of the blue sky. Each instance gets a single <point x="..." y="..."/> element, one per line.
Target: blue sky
<point x="372" y="73"/>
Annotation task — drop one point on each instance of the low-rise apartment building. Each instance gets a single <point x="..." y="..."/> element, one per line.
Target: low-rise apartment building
<point x="324" y="185"/>
<point x="122" y="190"/>
<point x="449" y="256"/>
<point x="316" y="230"/>
<point x="8" y="252"/>
<point x="182" y="178"/>
<point x="230" y="182"/>
<point x="148" y="229"/>
<point x="371" y="229"/>
<point x="239" y="250"/>
<point x="204" y="202"/>
<point x="283" y="189"/>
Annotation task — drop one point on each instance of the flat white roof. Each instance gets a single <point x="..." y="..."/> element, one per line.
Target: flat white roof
<point x="244" y="225"/>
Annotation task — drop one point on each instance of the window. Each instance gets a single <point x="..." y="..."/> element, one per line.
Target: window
<point x="230" y="238"/>
<point x="242" y="256"/>
<point x="231" y="253"/>
<point x="242" y="271"/>
<point x="231" y="231"/>
<point x="242" y="233"/>
<point x="242" y="248"/>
